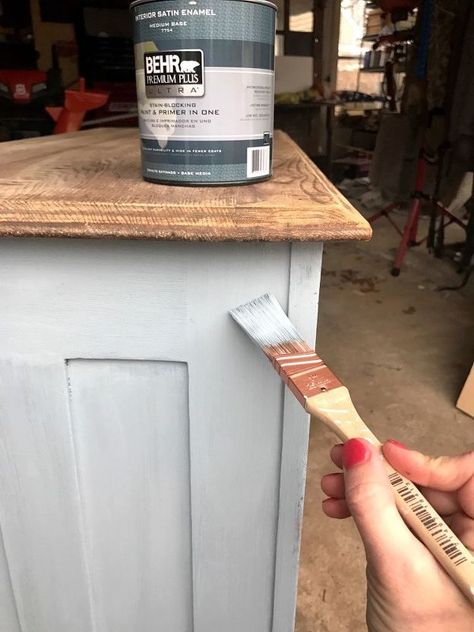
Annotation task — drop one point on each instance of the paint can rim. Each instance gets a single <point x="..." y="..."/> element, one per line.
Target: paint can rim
<point x="267" y="3"/>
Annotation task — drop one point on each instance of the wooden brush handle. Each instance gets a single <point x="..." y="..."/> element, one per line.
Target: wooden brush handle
<point x="335" y="409"/>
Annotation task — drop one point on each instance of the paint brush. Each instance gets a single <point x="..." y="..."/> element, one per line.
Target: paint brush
<point x="322" y="395"/>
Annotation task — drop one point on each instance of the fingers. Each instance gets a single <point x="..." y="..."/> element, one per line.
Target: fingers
<point x="335" y="508"/>
<point x="364" y="492"/>
<point x="371" y="501"/>
<point x="466" y="497"/>
<point x="445" y="503"/>
<point x="445" y="473"/>
<point x="336" y="455"/>
<point x="333" y="485"/>
<point x="463" y="528"/>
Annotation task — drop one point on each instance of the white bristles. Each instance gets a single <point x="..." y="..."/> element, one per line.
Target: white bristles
<point x="266" y="323"/>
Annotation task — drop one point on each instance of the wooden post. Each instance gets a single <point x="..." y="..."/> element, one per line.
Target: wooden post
<point x="45" y="34"/>
<point x="318" y="34"/>
<point x="286" y="26"/>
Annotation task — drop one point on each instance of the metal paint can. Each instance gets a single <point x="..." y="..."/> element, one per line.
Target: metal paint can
<point x="205" y="84"/>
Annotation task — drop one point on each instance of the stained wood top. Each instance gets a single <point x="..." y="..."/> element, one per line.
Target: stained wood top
<point x="89" y="184"/>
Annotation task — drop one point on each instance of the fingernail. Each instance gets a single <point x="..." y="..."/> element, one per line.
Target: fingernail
<point x="397" y="444"/>
<point x="355" y="452"/>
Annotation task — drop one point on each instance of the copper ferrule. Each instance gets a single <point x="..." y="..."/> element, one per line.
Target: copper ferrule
<point x="305" y="374"/>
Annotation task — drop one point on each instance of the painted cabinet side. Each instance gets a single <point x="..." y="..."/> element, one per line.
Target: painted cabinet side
<point x="303" y="302"/>
<point x="152" y="465"/>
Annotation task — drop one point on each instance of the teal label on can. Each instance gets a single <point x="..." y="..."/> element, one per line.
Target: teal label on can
<point x="205" y="83"/>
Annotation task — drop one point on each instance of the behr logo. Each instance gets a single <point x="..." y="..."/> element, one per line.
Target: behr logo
<point x="189" y="66"/>
<point x="174" y="73"/>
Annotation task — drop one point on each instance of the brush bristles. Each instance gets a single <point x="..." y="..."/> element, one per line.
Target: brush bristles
<point x="266" y="323"/>
<point x="304" y="372"/>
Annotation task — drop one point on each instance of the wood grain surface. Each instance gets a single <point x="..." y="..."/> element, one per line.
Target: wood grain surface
<point x="89" y="184"/>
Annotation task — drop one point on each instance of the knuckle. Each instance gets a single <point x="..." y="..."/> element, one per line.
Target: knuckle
<point x="364" y="495"/>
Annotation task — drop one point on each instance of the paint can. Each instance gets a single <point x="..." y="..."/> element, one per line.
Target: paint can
<point x="205" y="84"/>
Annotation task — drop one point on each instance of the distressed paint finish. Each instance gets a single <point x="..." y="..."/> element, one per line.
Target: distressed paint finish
<point x="152" y="468"/>
<point x="8" y="610"/>
<point x="38" y="496"/>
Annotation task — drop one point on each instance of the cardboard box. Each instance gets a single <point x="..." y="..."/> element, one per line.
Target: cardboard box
<point x="466" y="398"/>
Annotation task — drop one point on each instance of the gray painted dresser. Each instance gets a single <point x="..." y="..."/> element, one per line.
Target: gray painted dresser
<point x="152" y="468"/>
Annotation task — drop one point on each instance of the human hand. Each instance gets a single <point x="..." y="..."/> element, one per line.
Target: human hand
<point x="407" y="590"/>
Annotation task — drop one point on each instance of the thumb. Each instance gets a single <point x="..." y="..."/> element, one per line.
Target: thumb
<point x="371" y="502"/>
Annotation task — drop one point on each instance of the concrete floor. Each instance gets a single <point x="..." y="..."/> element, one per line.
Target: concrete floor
<point x="404" y="350"/>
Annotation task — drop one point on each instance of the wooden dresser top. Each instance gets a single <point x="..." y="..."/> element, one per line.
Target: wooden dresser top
<point x="88" y="184"/>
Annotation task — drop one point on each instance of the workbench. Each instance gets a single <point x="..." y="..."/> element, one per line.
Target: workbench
<point x="152" y="466"/>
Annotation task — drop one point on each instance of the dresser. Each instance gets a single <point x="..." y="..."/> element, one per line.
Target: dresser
<point x="152" y="466"/>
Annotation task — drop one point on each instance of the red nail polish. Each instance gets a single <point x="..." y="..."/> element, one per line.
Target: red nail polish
<point x="354" y="452"/>
<point x="398" y="444"/>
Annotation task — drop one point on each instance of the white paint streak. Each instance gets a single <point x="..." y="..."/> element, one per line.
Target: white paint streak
<point x="313" y="362"/>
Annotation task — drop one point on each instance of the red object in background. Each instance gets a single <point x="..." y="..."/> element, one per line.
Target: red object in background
<point x="122" y="100"/>
<point x="21" y="86"/>
<point x="410" y="230"/>
<point x="395" y="5"/>
<point x="77" y="103"/>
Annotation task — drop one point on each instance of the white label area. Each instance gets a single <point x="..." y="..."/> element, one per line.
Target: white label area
<point x="238" y="104"/>
<point x="258" y="161"/>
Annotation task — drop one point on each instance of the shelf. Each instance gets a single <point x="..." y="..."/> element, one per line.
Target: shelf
<point x="401" y="36"/>
<point x="307" y="105"/>
<point x="362" y="106"/>
<point x="380" y="70"/>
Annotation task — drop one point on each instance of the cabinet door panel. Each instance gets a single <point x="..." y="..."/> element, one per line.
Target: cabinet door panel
<point x="131" y="429"/>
